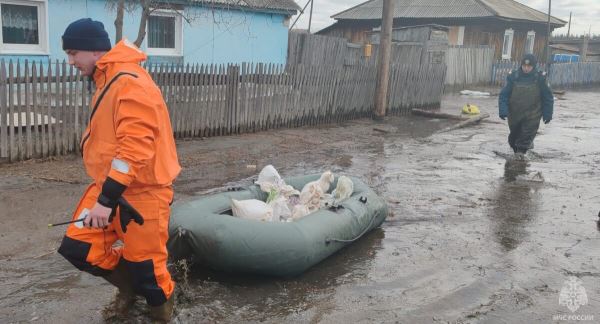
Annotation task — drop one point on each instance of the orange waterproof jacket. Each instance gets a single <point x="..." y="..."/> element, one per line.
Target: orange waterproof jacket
<point x="129" y="136"/>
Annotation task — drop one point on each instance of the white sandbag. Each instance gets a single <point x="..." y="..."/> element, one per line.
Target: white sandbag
<point x="252" y="209"/>
<point x="269" y="180"/>
<point x="343" y="190"/>
<point x="314" y="191"/>
<point x="281" y="211"/>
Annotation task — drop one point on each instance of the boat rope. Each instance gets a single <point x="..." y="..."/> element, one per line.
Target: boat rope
<point x="329" y="240"/>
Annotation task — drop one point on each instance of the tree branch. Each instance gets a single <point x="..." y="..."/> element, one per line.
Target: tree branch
<point x="143" y="21"/>
<point x="119" y="21"/>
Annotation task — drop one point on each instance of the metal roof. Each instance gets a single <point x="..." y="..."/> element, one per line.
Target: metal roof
<point x="447" y="9"/>
<point x="574" y="49"/>
<point x="515" y="10"/>
<point x="284" y="5"/>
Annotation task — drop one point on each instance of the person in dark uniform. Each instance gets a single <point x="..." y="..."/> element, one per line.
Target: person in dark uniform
<point x="525" y="99"/>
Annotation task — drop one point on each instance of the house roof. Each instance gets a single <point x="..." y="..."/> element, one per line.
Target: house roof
<point x="283" y="5"/>
<point x="509" y="9"/>
<point x="573" y="49"/>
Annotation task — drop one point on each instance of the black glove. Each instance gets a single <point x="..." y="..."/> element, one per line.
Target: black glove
<point x="546" y="121"/>
<point x="126" y="214"/>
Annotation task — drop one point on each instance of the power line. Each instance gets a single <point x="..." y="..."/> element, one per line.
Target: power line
<point x="301" y="12"/>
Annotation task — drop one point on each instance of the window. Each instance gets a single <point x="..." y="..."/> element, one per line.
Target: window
<point x="507" y="46"/>
<point x="530" y="42"/>
<point x="24" y="28"/>
<point x="165" y="33"/>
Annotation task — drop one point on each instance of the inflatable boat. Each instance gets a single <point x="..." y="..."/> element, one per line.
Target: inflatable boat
<point x="205" y="230"/>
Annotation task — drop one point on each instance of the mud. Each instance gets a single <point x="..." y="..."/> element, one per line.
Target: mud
<point x="472" y="236"/>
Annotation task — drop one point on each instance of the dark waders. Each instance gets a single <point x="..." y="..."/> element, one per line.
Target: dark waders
<point x="524" y="114"/>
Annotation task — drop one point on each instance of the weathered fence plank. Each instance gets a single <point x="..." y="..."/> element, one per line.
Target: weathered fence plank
<point x="20" y="121"/>
<point x="28" y="147"/>
<point x="45" y="109"/>
<point x="37" y="113"/>
<point x="561" y="75"/>
<point x="48" y="105"/>
<point x="568" y="75"/>
<point x="4" y="115"/>
<point x="11" y="114"/>
<point x="469" y="65"/>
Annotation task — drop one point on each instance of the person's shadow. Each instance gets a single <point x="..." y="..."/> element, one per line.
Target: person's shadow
<point x="515" y="206"/>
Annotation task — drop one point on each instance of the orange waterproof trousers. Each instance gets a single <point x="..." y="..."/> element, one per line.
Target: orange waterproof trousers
<point x="143" y="250"/>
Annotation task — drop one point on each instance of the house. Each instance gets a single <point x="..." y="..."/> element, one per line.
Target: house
<point x="511" y="27"/>
<point x="183" y="31"/>
<point x="577" y="46"/>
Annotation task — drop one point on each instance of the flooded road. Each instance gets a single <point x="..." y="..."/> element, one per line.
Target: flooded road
<point x="472" y="236"/>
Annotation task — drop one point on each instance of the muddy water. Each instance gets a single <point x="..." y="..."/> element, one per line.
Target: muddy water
<point x="472" y="236"/>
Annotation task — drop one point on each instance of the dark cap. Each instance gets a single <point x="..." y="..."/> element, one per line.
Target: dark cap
<point x="529" y="59"/>
<point x="86" y="35"/>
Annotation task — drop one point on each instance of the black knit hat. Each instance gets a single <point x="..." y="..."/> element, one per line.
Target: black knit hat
<point x="86" y="35"/>
<point x="529" y="59"/>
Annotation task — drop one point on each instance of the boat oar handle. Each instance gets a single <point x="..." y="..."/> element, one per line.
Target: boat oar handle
<point x="66" y="223"/>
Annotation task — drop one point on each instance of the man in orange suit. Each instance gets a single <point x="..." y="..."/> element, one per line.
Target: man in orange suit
<point x="129" y="152"/>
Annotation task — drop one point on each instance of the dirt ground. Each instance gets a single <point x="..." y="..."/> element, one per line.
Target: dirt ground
<point x="471" y="237"/>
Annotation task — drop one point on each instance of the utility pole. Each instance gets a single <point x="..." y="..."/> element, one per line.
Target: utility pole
<point x="383" y="63"/>
<point x="569" y="30"/>
<point x="310" y="16"/>
<point x="548" y="58"/>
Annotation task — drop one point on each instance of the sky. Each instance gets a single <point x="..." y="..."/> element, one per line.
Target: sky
<point x="586" y="13"/>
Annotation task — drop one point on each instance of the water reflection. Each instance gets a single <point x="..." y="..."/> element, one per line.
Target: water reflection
<point x="516" y="204"/>
<point x="208" y="295"/>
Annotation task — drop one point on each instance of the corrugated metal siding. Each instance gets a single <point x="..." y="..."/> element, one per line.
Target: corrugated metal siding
<point x="447" y="9"/>
<point x="516" y="10"/>
<point x="441" y="12"/>
<point x="418" y="9"/>
<point x="289" y="5"/>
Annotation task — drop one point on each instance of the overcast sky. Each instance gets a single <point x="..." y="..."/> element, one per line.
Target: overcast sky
<point x="586" y="13"/>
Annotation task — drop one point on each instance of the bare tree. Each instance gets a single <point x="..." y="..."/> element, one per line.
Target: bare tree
<point x="119" y="20"/>
<point x="146" y="11"/>
<point x="149" y="6"/>
<point x="146" y="6"/>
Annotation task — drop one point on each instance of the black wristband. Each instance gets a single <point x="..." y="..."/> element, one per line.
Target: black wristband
<point x="111" y="191"/>
<point x="106" y="202"/>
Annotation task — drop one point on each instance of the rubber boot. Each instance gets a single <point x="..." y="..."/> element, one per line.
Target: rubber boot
<point x="121" y="279"/>
<point x="163" y="313"/>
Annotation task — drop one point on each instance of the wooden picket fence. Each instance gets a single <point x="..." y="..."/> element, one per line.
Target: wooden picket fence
<point x="569" y="75"/>
<point x="469" y="65"/>
<point x="310" y="49"/>
<point x="561" y="75"/>
<point x="501" y="69"/>
<point x="44" y="109"/>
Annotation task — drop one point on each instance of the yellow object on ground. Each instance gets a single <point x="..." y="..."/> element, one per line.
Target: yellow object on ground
<point x="470" y="109"/>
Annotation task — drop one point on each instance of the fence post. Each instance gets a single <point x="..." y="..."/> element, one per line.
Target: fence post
<point x="383" y="64"/>
<point x="233" y="75"/>
<point x="4" y="115"/>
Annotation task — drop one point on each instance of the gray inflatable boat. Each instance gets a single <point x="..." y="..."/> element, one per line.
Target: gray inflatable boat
<point x="205" y="230"/>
